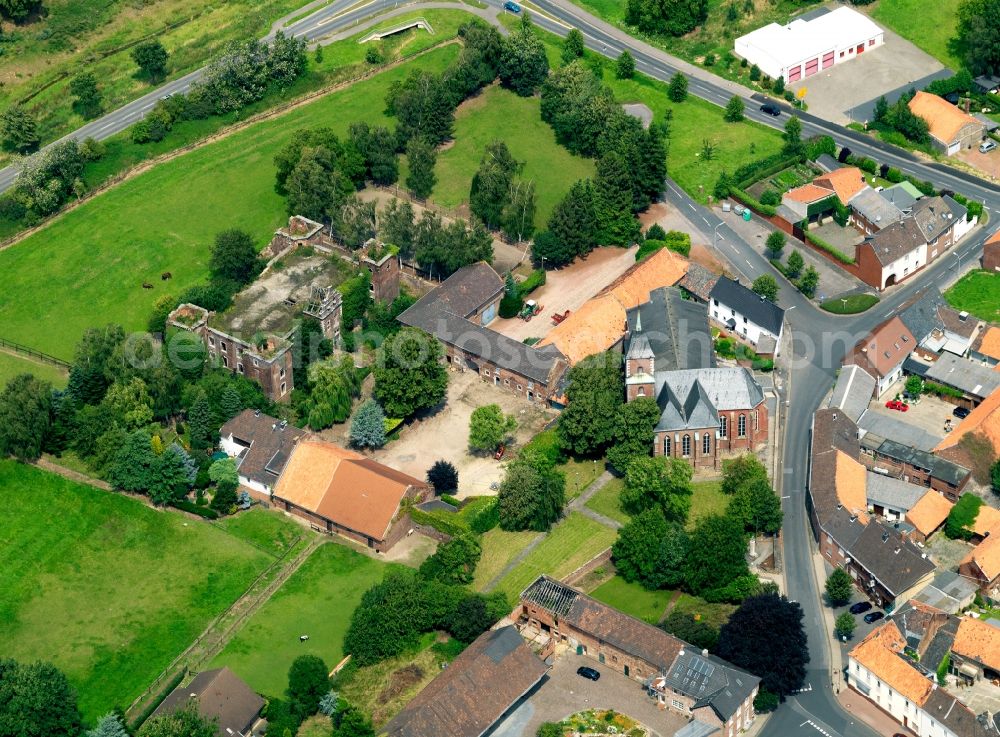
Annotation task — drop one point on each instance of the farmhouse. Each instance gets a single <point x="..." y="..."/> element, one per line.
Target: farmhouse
<point x="340" y="491"/>
<point x="745" y="313"/>
<point x="680" y="677"/>
<point x="222" y="696"/>
<point x="458" y="311"/>
<point x="951" y="128"/>
<point x="805" y="47"/>
<point x="477" y="689"/>
<point x="261" y="446"/>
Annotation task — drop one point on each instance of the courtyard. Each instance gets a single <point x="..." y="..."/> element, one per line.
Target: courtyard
<point x="921" y="426"/>
<point x="563" y="693"/>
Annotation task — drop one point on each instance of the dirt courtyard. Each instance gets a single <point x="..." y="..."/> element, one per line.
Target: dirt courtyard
<point x="567" y="289"/>
<point x="445" y="434"/>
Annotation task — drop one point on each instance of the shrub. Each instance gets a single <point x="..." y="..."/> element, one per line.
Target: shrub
<point x="547" y="445"/>
<point x="961" y="518"/>
<point x="770" y="197"/>
<point x="206" y="512"/>
<point x="486" y="518"/>
<point x="529" y="285"/>
<point x="656" y="232"/>
<point x="510" y="305"/>
<point x="868" y="165"/>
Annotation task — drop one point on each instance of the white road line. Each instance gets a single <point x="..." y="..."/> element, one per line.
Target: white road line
<point x="693" y="208"/>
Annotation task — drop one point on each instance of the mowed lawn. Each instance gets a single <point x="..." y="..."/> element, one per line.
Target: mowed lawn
<point x="499" y="549"/>
<point x="104" y="587"/>
<point x="498" y="113"/>
<point x="706" y="499"/>
<point x="11" y="365"/>
<point x="318" y="601"/>
<point x="633" y="599"/>
<point x="272" y="532"/>
<point x="567" y="546"/>
<point x="87" y="267"/>
<point x="978" y="293"/>
<point x="929" y="25"/>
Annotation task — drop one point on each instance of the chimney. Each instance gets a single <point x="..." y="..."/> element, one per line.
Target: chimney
<point x="967" y="105"/>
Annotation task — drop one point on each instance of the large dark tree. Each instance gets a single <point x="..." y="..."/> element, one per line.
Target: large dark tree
<point x="757" y="506"/>
<point x="19" y="130"/>
<point x="17" y="9"/>
<point x="234" y="256"/>
<point x="671" y="17"/>
<point x="661" y="483"/>
<point x="454" y="561"/>
<point x="132" y="468"/>
<point x="491" y="184"/>
<point x="716" y="554"/>
<point x="423" y="106"/>
<point x="839" y="587"/>
<point x="36" y="700"/>
<point x="633" y="433"/>
<point x="378" y="147"/>
<point x="650" y="551"/>
<point x="88" y="95"/>
<point x="308" y="682"/>
<point x="523" y="63"/>
<point x="443" y="477"/>
<point x="573" y="226"/>
<point x="696" y="631"/>
<point x="979" y="35"/>
<point x="596" y="390"/>
<point x="613" y="202"/>
<point x="409" y="375"/>
<point x="739" y="471"/>
<point x="25" y="417"/>
<point x="532" y="494"/>
<point x="420" y="158"/>
<point x="765" y="636"/>
<point x="316" y="187"/>
<point x="151" y="58"/>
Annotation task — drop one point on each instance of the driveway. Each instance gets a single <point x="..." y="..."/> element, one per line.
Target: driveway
<point x="891" y="69"/>
<point x="928" y="415"/>
<point x="444" y="434"/>
<point x="989" y="163"/>
<point x="564" y="693"/>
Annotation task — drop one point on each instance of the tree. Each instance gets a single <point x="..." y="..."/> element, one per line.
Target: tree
<point x="133" y="463"/>
<point x="443" y="477"/>
<point x="315" y="188"/>
<point x="151" y="58"/>
<point x="489" y="427"/>
<point x="978" y="36"/>
<point x="409" y="374"/>
<point x="354" y="723"/>
<point x="573" y="225"/>
<point x="809" y="281"/>
<point x="368" y="426"/>
<point x="734" y="109"/>
<point x="793" y="136"/>
<point x="765" y="636"/>
<point x="531" y="495"/>
<point x="17" y="10"/>
<point x="881" y="112"/>
<point x="231" y="403"/>
<point x="130" y="403"/>
<point x="185" y="722"/>
<point x="914" y="385"/>
<point x="234" y="256"/>
<point x="523" y="63"/>
<point x="795" y="264"/>
<point x="633" y="432"/>
<point x="453" y="561"/>
<point x="962" y="517"/>
<point x="25" y="417"/>
<point x="661" y="483"/>
<point x="396" y="225"/>
<point x="844" y="626"/>
<point x="110" y="725"/>
<point x="839" y="587"/>
<point x="775" y="242"/>
<point x="36" y="700"/>
<point x="201" y="424"/>
<point x="596" y="390"/>
<point x="650" y="551"/>
<point x="423" y="106"/>
<point x="696" y="631"/>
<point x="677" y="90"/>
<point x="779" y="86"/>
<point x="613" y="200"/>
<point x="420" y="157"/>
<point x="490" y="190"/>
<point x="170" y="475"/>
<point x="573" y="47"/>
<point x="308" y="683"/>
<point x="766" y="286"/>
<point x="517" y="220"/>
<point x="88" y="96"/>
<point x="757" y="506"/>
<point x="378" y="147"/>
<point x="625" y="66"/>
<point x="716" y="554"/>
<point x="670" y="17"/>
<point x="741" y="471"/>
<point x="19" y="130"/>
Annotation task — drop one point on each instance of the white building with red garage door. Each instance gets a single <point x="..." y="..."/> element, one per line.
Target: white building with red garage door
<point x="806" y="47"/>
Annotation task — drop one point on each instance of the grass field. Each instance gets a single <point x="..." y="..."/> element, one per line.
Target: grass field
<point x="499" y="113"/>
<point x="714" y="614"/>
<point x="633" y="599"/>
<point x="850" y="305"/>
<point x="317" y="601"/>
<point x="499" y="548"/>
<point x="569" y="545"/>
<point x="11" y="365"/>
<point x="90" y="263"/>
<point x="106" y="588"/>
<point x="580" y="474"/>
<point x="978" y="292"/>
<point x="930" y="26"/>
<point x="605" y="501"/>
<point x="706" y="499"/>
<point x="270" y="531"/>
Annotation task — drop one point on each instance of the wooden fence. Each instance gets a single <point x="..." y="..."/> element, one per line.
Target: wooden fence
<point x="31" y="352"/>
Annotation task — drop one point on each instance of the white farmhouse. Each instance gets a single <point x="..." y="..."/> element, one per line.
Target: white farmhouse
<point x="261" y="446"/>
<point x="745" y="313"/>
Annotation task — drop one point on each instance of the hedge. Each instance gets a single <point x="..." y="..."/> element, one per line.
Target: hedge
<point x="752" y="203"/>
<point x="754" y="171"/>
<point x="529" y="285"/>
<point x="164" y="692"/>
<point x="824" y="246"/>
<point x="932" y="387"/>
<point x="438" y="522"/>
<point x="206" y="512"/>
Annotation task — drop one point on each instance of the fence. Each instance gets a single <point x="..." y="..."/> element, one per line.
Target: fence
<point x="45" y="357"/>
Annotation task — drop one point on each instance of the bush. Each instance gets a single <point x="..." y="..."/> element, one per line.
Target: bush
<point x="529" y="285"/>
<point x="962" y="517"/>
<point x="770" y="197"/>
<point x="868" y="165"/>
<point x="206" y="512"/>
<point x="547" y="445"/>
<point x="510" y="305"/>
<point x="486" y="518"/>
<point x="656" y="233"/>
<point x="449" y="499"/>
<point x="754" y="171"/>
<point x="750" y="202"/>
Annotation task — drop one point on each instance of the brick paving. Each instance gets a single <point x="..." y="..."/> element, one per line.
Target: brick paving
<point x="861" y="708"/>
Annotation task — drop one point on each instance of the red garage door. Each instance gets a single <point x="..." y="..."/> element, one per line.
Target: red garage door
<point x="812" y="66"/>
<point x="828" y="60"/>
<point x="861" y="48"/>
<point x="795" y="74"/>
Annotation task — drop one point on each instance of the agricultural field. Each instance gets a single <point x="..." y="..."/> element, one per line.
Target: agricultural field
<point x="568" y="545"/>
<point x="106" y="588"/>
<point x="706" y="499"/>
<point x="929" y="26"/>
<point x="499" y="113"/>
<point x="633" y="599"/>
<point x="318" y="601"/>
<point x="12" y="364"/>
<point x="91" y="262"/>
<point x="978" y="293"/>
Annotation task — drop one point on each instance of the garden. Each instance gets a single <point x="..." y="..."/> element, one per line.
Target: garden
<point x="977" y="293"/>
<point x="599" y="722"/>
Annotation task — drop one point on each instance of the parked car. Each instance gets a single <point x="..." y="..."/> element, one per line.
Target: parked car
<point x="512" y="6"/>
<point x="586" y="672"/>
<point x="771" y="109"/>
<point x="897" y="405"/>
<point x="501" y="449"/>
<point x="961" y="412"/>
<point x="861" y="607"/>
<point x="986" y="146"/>
<point x="873" y="617"/>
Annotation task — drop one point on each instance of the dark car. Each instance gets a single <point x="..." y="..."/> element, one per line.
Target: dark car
<point x="961" y="412"/>
<point x="513" y="8"/>
<point x="771" y="109"/>
<point x="873" y="617"/>
<point x="588" y="673"/>
<point x="861" y="607"/>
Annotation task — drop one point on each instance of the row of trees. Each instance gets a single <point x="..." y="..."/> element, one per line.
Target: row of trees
<point x="438" y="247"/>
<point x="499" y="198"/>
<point x="900" y="118"/>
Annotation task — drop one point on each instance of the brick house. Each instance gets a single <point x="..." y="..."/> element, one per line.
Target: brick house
<point x="952" y="129"/>
<point x="339" y="491"/>
<point x="679" y="676"/>
<point x="927" y="516"/>
<point x="882" y="353"/>
<point x="458" y="311"/>
<point x="261" y="446"/>
<point x="918" y="467"/>
<point x="975" y="652"/>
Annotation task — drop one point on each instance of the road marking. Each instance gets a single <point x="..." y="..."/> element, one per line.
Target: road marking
<point x="693" y="208"/>
<point x="815" y="726"/>
<point x="748" y="261"/>
<point x="804" y="689"/>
